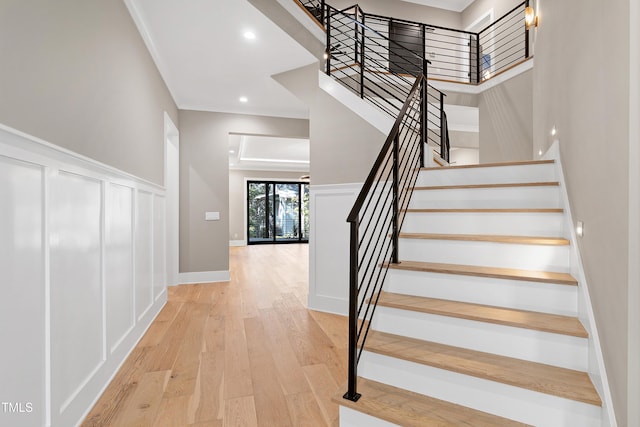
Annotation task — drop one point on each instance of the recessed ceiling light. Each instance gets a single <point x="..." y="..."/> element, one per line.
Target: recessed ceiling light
<point x="249" y="35"/>
<point x="232" y="152"/>
<point x="244" y="99"/>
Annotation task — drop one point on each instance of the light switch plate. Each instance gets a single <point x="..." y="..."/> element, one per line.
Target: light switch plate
<point x="211" y="216"/>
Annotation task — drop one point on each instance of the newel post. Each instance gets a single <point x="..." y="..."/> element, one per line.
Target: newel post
<point x="352" y="390"/>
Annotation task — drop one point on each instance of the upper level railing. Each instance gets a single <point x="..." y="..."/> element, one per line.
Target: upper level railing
<point x="315" y="8"/>
<point x="359" y="58"/>
<point x="455" y="55"/>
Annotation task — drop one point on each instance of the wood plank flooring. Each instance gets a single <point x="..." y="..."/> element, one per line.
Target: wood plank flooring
<point x="240" y="353"/>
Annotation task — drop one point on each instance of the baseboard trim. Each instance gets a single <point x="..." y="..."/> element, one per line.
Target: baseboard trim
<point x="194" y="277"/>
<point x="597" y="370"/>
<point x="237" y="243"/>
<point x="328" y="304"/>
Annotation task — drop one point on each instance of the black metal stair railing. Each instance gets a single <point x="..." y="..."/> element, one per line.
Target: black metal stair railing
<point x="376" y="218"/>
<point x="384" y="61"/>
<point x="360" y="58"/>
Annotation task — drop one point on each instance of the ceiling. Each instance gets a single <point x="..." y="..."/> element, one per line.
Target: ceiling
<point x="207" y="63"/>
<point x="258" y="152"/>
<point x="201" y="51"/>
<point x="455" y="5"/>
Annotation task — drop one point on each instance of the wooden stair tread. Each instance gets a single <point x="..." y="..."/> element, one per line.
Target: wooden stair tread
<point x="440" y="162"/>
<point x="411" y="409"/>
<point x="493" y="272"/>
<point x="525" y="240"/>
<point x="481" y="186"/>
<point x="552" y="380"/>
<point x="491" y="165"/>
<point x="486" y="210"/>
<point x="545" y="322"/>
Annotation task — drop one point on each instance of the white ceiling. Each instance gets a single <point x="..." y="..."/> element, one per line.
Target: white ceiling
<point x="455" y="5"/>
<point x="258" y="152"/>
<point x="208" y="64"/>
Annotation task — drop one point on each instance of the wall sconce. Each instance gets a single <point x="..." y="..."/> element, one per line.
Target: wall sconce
<point x="530" y="17"/>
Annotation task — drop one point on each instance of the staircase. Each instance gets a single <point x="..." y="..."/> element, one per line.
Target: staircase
<point x="477" y="325"/>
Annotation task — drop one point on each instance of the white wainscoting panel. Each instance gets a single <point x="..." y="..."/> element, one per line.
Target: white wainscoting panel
<point x="77" y="349"/>
<point x="329" y="246"/>
<point x="159" y="246"/>
<point x="22" y="305"/>
<point x="144" y="253"/>
<point x="119" y="263"/>
<point x="83" y="275"/>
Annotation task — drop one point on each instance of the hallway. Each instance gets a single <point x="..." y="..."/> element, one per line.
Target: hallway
<point x="240" y="353"/>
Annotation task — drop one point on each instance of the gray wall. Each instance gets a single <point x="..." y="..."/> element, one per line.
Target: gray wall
<point x="581" y="80"/>
<point x="204" y="180"/>
<point x="506" y="120"/>
<point x="479" y="7"/>
<point x="77" y="74"/>
<point x="237" y="196"/>
<point x="344" y="146"/>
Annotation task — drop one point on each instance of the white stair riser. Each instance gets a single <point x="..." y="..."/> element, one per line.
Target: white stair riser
<point x="489" y="175"/>
<point x="352" y="418"/>
<point x="516" y="224"/>
<point x="489" y="254"/>
<point x="513" y="197"/>
<point x="536" y="346"/>
<point x="522" y="295"/>
<point x="518" y="404"/>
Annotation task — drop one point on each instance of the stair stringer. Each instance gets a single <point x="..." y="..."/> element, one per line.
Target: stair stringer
<point x="596" y="370"/>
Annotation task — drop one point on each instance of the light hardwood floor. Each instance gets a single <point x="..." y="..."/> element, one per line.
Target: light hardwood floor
<point x="241" y="353"/>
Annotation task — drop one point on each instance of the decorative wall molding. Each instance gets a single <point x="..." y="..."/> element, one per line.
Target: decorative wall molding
<point x="83" y="263"/>
<point x="329" y="246"/>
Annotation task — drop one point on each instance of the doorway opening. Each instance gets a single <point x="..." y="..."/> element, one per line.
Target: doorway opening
<point x="277" y="212"/>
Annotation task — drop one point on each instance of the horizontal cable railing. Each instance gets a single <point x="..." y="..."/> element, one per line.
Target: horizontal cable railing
<point x="447" y="49"/>
<point x="376" y="218"/>
<point x="360" y="58"/>
<point x="455" y="55"/>
<point x="503" y="44"/>
<point x="315" y="8"/>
